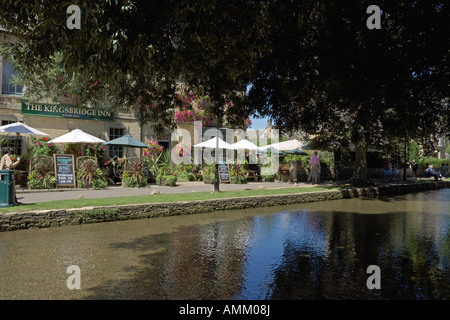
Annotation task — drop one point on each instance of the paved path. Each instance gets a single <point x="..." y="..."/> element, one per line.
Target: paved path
<point x="33" y="196"/>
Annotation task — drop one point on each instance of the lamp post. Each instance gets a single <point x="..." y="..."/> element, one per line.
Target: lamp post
<point x="216" y="155"/>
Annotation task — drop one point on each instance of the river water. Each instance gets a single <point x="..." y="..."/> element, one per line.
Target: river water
<point x="308" y="251"/>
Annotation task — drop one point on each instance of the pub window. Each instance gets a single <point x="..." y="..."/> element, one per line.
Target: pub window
<point x="117" y="151"/>
<point x="10" y="140"/>
<point x="164" y="140"/>
<point x="8" y="73"/>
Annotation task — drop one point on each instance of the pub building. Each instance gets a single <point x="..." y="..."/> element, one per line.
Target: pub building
<point x="58" y="119"/>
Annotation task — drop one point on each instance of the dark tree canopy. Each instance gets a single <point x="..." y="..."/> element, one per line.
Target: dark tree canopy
<point x="143" y="48"/>
<point x="329" y="75"/>
<point x="313" y="66"/>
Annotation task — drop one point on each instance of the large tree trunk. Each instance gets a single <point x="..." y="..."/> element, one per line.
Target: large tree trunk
<point x="360" y="169"/>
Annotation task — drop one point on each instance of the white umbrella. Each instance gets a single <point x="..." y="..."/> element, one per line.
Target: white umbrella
<point x="211" y="143"/>
<point x="285" y="145"/>
<point x="77" y="136"/>
<point x="245" y="144"/>
<point x="21" y="128"/>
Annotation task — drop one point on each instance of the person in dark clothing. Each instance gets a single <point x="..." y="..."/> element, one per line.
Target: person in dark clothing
<point x="434" y="173"/>
<point x="114" y="175"/>
<point x="415" y="167"/>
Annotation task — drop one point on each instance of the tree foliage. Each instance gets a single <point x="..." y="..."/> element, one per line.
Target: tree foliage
<point x="142" y="48"/>
<point x="330" y="76"/>
<point x="313" y="66"/>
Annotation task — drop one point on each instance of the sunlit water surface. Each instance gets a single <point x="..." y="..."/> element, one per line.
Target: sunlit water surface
<point x="307" y="251"/>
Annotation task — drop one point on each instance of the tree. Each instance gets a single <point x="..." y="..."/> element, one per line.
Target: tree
<point x="142" y="49"/>
<point x="329" y="75"/>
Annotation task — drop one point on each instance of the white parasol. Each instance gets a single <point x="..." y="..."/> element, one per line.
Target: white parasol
<point x="77" y="136"/>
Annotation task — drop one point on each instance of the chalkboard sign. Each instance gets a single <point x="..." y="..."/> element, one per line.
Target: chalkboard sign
<point x="64" y="170"/>
<point x="224" y="171"/>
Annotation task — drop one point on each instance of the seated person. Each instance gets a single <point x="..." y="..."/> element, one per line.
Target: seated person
<point x="114" y="175"/>
<point x="433" y="172"/>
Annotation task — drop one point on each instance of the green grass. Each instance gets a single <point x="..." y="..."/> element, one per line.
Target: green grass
<point x="79" y="203"/>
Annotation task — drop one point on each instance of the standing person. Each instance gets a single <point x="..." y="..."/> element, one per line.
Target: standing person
<point x="394" y="168"/>
<point x="7" y="164"/>
<point x="114" y="175"/>
<point x="314" y="167"/>
<point x="415" y="167"/>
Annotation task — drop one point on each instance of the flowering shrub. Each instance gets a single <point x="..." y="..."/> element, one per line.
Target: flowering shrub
<point x="193" y="108"/>
<point x="183" y="148"/>
<point x="93" y="150"/>
<point x="247" y="123"/>
<point x="41" y="147"/>
<point x="85" y="149"/>
<point x="120" y="162"/>
<point x="71" y="148"/>
<point x="154" y="148"/>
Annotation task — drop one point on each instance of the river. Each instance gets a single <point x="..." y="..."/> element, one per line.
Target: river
<point x="308" y="251"/>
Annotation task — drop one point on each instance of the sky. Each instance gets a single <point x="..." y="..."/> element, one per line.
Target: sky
<point x="258" y="123"/>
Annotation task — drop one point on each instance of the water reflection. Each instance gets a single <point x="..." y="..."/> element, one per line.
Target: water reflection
<point x="310" y="251"/>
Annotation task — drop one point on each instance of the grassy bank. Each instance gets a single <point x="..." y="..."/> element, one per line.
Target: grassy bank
<point x="140" y="199"/>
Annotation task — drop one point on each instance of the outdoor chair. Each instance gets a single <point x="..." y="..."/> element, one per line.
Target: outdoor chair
<point x="251" y="175"/>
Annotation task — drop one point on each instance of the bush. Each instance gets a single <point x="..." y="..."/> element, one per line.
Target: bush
<point x="134" y="179"/>
<point x="268" y="178"/>
<point x="434" y="161"/>
<point x="131" y="182"/>
<point x="91" y="179"/>
<point x="134" y="176"/>
<point x="166" y="180"/>
<point x="38" y="182"/>
<point x="171" y="180"/>
<point x="238" y="173"/>
<point x="209" y="178"/>
<point x="185" y="176"/>
<point x="238" y="180"/>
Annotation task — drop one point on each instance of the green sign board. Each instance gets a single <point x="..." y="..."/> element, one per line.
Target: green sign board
<point x="64" y="169"/>
<point x="62" y="111"/>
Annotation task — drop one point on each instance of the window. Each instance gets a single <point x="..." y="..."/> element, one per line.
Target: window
<point x="11" y="140"/>
<point x="164" y="140"/>
<point x="7" y="76"/>
<point x="117" y="151"/>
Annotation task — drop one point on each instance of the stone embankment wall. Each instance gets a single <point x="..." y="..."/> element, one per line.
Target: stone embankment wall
<point x="56" y="218"/>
